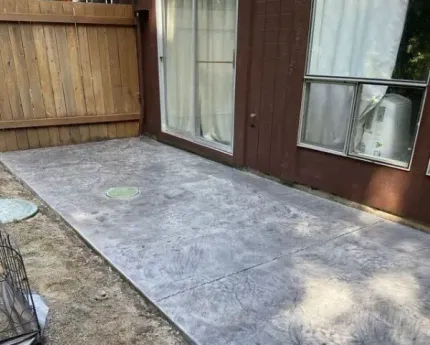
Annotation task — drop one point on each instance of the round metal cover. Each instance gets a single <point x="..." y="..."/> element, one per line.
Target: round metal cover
<point x="12" y="210"/>
<point x="123" y="193"/>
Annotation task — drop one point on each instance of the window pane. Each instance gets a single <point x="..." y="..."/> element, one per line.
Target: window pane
<point x="216" y="42"/>
<point x="386" y="123"/>
<point x="370" y="39"/>
<point x="179" y="65"/>
<point x="326" y="115"/>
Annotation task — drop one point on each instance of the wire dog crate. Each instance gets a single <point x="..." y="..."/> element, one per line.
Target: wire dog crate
<point x="18" y="318"/>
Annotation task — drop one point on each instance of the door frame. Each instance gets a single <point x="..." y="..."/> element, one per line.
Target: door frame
<point x="163" y="86"/>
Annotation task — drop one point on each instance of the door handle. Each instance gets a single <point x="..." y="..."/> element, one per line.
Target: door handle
<point x="253" y="120"/>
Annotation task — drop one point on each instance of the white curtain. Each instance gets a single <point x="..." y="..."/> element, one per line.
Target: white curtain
<point x="179" y="64"/>
<point x="205" y="76"/>
<point x="215" y="70"/>
<point x="351" y="38"/>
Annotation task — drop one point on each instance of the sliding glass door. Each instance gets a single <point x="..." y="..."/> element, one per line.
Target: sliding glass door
<point x="197" y="64"/>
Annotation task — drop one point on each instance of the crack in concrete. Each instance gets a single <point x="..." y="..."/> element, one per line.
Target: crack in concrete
<point x="318" y="244"/>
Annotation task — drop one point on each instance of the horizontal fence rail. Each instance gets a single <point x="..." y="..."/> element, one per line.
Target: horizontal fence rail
<point x="65" y="19"/>
<point x="68" y="73"/>
<point x="65" y="121"/>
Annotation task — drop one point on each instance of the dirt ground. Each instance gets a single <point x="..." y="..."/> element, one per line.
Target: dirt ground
<point x="72" y="279"/>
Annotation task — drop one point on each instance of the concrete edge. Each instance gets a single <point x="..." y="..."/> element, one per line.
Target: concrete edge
<point x="95" y="250"/>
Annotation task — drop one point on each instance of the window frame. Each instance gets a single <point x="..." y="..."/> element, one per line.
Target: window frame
<point x="306" y="86"/>
<point x="357" y="83"/>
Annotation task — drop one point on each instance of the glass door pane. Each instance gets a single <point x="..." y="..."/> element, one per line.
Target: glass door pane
<point x="216" y="43"/>
<point x="199" y="70"/>
<point x="179" y="65"/>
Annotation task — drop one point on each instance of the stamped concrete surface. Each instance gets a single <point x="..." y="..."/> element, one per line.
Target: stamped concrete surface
<point x="233" y="258"/>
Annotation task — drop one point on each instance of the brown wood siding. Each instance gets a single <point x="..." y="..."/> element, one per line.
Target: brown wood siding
<point x="69" y="71"/>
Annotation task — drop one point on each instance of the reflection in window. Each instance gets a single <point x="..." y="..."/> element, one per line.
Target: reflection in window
<point x="413" y="58"/>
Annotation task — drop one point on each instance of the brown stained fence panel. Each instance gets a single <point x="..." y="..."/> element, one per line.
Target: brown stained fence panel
<point x="69" y="73"/>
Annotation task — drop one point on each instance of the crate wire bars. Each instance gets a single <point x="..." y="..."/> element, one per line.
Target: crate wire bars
<point x="18" y="318"/>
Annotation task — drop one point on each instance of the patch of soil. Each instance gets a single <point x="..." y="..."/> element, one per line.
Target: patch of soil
<point x="89" y="302"/>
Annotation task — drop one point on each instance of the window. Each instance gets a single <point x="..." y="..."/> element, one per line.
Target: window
<point x="197" y="69"/>
<point x="367" y="72"/>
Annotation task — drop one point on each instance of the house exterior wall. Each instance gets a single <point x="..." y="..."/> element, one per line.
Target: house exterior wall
<point x="271" y="58"/>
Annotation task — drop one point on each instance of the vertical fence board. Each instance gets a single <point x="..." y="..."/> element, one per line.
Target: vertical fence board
<point x="7" y="138"/>
<point x="30" y="73"/>
<point x="132" y="128"/>
<point x="9" y="69"/>
<point x="3" y="146"/>
<point x="54" y="74"/>
<point x="92" y="33"/>
<point x="21" y="96"/>
<point x="11" y="140"/>
<point x="44" y="79"/>
<point x="102" y="41"/>
<point x="115" y="72"/>
<point x="123" y="66"/>
<point x="85" y="70"/>
<point x="68" y="135"/>
<point x="75" y="69"/>
<point x="130" y="38"/>
<point x="9" y="81"/>
<point x="23" y="85"/>
<point x="20" y="69"/>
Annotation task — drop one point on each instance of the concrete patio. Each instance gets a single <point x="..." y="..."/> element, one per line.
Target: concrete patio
<point x="233" y="258"/>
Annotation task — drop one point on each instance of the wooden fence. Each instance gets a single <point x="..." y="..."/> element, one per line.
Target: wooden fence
<point x="68" y="73"/>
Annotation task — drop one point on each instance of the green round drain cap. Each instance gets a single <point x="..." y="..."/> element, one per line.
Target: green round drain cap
<point x="12" y="210"/>
<point x="122" y="192"/>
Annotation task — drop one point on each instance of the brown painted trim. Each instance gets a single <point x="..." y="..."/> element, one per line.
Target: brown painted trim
<point x="243" y="59"/>
<point x="65" y="121"/>
<point x="196" y="148"/>
<point x="140" y="5"/>
<point x="66" y="19"/>
<point x="150" y="83"/>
